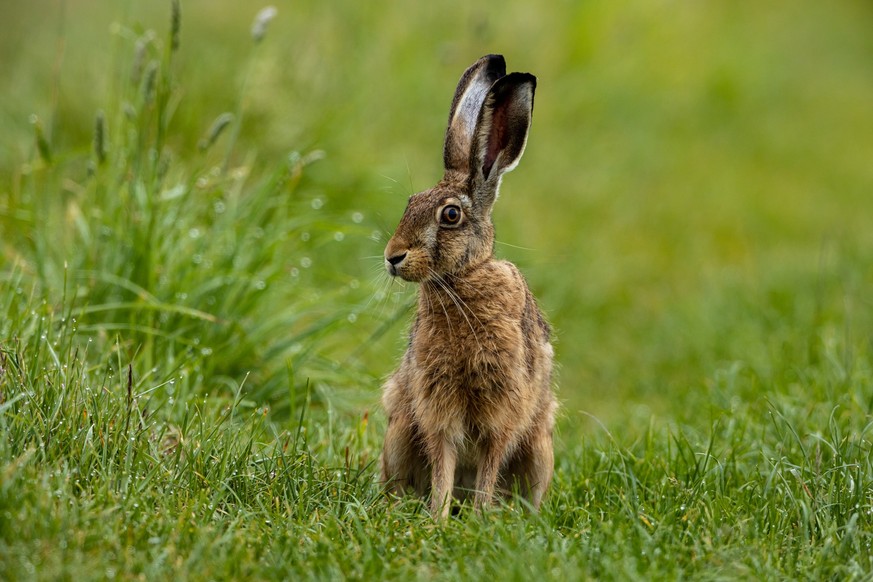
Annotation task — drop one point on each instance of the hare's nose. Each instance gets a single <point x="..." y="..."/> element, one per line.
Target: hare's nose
<point x="396" y="259"/>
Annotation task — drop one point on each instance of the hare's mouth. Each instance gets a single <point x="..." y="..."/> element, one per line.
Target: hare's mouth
<point x="405" y="274"/>
<point x="406" y="268"/>
<point x="395" y="271"/>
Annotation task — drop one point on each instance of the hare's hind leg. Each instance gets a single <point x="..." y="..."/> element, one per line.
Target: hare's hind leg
<point x="404" y="466"/>
<point x="541" y="466"/>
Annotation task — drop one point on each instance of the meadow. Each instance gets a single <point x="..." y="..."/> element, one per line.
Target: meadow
<point x="195" y="321"/>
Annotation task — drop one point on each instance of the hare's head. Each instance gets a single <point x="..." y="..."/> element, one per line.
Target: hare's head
<point x="448" y="228"/>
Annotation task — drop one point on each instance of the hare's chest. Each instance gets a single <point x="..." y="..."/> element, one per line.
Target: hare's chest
<point x="463" y="390"/>
<point x="469" y="359"/>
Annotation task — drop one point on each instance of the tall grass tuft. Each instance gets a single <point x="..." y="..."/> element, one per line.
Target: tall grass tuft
<point x="195" y="269"/>
<point x="80" y="436"/>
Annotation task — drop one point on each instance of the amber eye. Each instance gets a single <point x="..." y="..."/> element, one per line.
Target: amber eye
<point x="451" y="215"/>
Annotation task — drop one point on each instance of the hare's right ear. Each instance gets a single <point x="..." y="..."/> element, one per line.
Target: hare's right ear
<point x="501" y="134"/>
<point x="466" y="105"/>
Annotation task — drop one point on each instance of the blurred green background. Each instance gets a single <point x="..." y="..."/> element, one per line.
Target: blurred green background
<point x="696" y="188"/>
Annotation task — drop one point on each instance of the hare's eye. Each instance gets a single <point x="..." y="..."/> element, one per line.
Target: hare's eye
<point x="450" y="215"/>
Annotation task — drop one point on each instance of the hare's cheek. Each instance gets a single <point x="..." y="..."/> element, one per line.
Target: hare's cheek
<point x="430" y="238"/>
<point x="453" y="250"/>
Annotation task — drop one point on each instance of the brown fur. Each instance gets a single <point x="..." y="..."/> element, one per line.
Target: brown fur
<point x="470" y="409"/>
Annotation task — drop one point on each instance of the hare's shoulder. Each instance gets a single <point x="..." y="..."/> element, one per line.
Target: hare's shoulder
<point x="504" y="288"/>
<point x="497" y="283"/>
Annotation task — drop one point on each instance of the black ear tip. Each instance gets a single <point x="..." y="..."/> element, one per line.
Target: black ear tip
<point x="495" y="65"/>
<point x="521" y="78"/>
<point x="513" y="81"/>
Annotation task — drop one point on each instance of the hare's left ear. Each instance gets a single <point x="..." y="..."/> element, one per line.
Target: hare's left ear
<point x="501" y="134"/>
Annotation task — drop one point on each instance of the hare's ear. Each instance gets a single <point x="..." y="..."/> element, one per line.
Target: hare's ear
<point x="501" y="134"/>
<point x="469" y="96"/>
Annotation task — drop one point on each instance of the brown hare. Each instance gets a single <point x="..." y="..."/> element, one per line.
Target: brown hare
<point x="471" y="408"/>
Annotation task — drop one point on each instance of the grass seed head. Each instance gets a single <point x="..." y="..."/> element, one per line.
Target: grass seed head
<point x="100" y="137"/>
<point x="262" y="20"/>
<point x="140" y="51"/>
<point x="148" y="86"/>
<point x="175" y="25"/>
<point x="215" y="130"/>
<point x="42" y="144"/>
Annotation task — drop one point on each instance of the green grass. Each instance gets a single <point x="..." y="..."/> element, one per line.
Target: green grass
<point x="194" y="324"/>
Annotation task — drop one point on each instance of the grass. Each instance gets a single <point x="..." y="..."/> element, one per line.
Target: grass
<point x="192" y="335"/>
<point x="101" y="470"/>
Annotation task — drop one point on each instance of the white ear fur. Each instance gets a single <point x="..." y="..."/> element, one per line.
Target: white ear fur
<point x="469" y="96"/>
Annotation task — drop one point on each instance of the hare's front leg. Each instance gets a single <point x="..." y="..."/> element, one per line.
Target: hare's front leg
<point x="443" y="460"/>
<point x="403" y="462"/>
<point x="493" y="453"/>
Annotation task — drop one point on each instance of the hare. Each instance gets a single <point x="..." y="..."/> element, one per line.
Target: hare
<point x="470" y="408"/>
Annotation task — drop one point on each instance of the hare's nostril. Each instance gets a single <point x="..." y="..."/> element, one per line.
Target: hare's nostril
<point x="397" y="259"/>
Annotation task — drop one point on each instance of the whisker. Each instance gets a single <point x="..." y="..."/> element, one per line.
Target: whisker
<point x="390" y="296"/>
<point x="455" y="295"/>
<point x="462" y="305"/>
<point x="506" y="244"/>
<point x="429" y="303"/>
<point x="448" y="319"/>
<point x="378" y="271"/>
<point x="409" y="176"/>
<point x="459" y="303"/>
<point x="382" y="283"/>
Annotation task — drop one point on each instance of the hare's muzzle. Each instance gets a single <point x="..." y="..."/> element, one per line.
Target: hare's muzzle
<point x="394" y="261"/>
